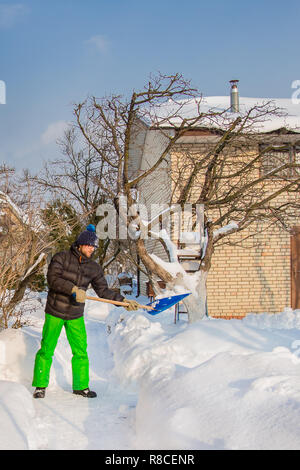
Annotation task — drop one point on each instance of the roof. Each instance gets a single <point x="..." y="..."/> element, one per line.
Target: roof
<point x="289" y="110"/>
<point x="33" y="221"/>
<point x="6" y="201"/>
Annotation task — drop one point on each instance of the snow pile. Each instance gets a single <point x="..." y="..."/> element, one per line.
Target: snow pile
<point x="285" y="320"/>
<point x="18" y="420"/>
<point x="216" y="384"/>
<point x="136" y="343"/>
<point x="18" y="425"/>
<point x="17" y="416"/>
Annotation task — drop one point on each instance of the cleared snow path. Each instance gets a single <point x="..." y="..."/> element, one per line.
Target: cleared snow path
<point x="65" y="421"/>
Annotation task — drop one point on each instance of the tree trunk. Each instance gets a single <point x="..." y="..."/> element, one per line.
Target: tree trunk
<point x="187" y="282"/>
<point x="150" y="264"/>
<point x="196" y="302"/>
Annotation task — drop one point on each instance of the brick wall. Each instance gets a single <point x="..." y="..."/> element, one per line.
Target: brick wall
<point x="252" y="278"/>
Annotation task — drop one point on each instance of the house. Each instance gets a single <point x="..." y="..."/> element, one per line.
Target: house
<point x="20" y="236"/>
<point x="256" y="275"/>
<point x="10" y="216"/>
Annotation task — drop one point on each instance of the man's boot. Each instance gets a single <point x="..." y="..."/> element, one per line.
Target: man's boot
<point x="39" y="392"/>
<point x="85" y="393"/>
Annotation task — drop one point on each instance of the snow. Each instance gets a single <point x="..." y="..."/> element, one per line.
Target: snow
<point x="173" y="267"/>
<point x="124" y="275"/>
<point x="62" y="420"/>
<point x="214" y="384"/>
<point x="42" y="255"/>
<point x="226" y="228"/>
<point x="33" y="220"/>
<point x="289" y="109"/>
<point x="217" y="384"/>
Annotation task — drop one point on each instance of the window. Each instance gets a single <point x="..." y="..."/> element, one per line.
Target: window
<point x="277" y="156"/>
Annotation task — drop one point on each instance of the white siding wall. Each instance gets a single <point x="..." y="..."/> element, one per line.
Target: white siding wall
<point x="154" y="190"/>
<point x="136" y="149"/>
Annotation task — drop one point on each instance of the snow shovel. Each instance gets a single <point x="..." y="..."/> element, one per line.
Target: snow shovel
<point x="153" y="308"/>
<point x="115" y="302"/>
<point x="160" y="305"/>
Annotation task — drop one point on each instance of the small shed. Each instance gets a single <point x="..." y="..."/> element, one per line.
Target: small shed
<point x="125" y="282"/>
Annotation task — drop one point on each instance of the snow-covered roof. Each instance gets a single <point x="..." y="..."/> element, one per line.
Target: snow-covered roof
<point x="5" y="199"/>
<point x="34" y="221"/>
<point x="124" y="275"/>
<point x="290" y="118"/>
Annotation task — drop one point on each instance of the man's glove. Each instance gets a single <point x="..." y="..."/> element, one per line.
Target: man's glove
<point x="78" y="294"/>
<point x="132" y="305"/>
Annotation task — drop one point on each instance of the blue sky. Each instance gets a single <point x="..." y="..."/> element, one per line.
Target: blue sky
<point x="54" y="53"/>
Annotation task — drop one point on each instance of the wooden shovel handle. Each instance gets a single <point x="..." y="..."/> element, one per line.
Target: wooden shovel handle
<point x="116" y="302"/>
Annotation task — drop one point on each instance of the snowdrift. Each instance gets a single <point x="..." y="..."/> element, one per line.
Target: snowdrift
<point x="18" y="428"/>
<point x="217" y="384"/>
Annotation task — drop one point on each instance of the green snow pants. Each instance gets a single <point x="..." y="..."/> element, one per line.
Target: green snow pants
<point x="76" y="334"/>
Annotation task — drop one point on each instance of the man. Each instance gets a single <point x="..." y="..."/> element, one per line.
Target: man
<point x="69" y="275"/>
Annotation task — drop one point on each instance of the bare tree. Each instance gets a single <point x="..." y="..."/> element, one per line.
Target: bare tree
<point x="72" y="177"/>
<point x="25" y="244"/>
<point x="7" y="174"/>
<point x="80" y="180"/>
<point x="22" y="255"/>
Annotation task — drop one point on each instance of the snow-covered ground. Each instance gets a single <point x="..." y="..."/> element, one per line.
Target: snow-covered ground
<point x="62" y="420"/>
<point x="216" y="384"/>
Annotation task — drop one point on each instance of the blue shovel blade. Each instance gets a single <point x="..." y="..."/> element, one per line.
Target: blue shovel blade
<point x="160" y="305"/>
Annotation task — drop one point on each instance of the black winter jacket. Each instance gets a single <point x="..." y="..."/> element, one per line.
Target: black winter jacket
<point x="66" y="270"/>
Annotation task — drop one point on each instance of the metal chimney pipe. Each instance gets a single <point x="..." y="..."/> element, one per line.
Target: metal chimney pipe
<point x="234" y="97"/>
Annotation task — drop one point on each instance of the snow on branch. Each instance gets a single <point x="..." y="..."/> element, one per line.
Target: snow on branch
<point x="42" y="255"/>
<point x="233" y="226"/>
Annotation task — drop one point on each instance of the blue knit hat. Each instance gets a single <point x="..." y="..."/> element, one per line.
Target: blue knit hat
<point x="88" y="237"/>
